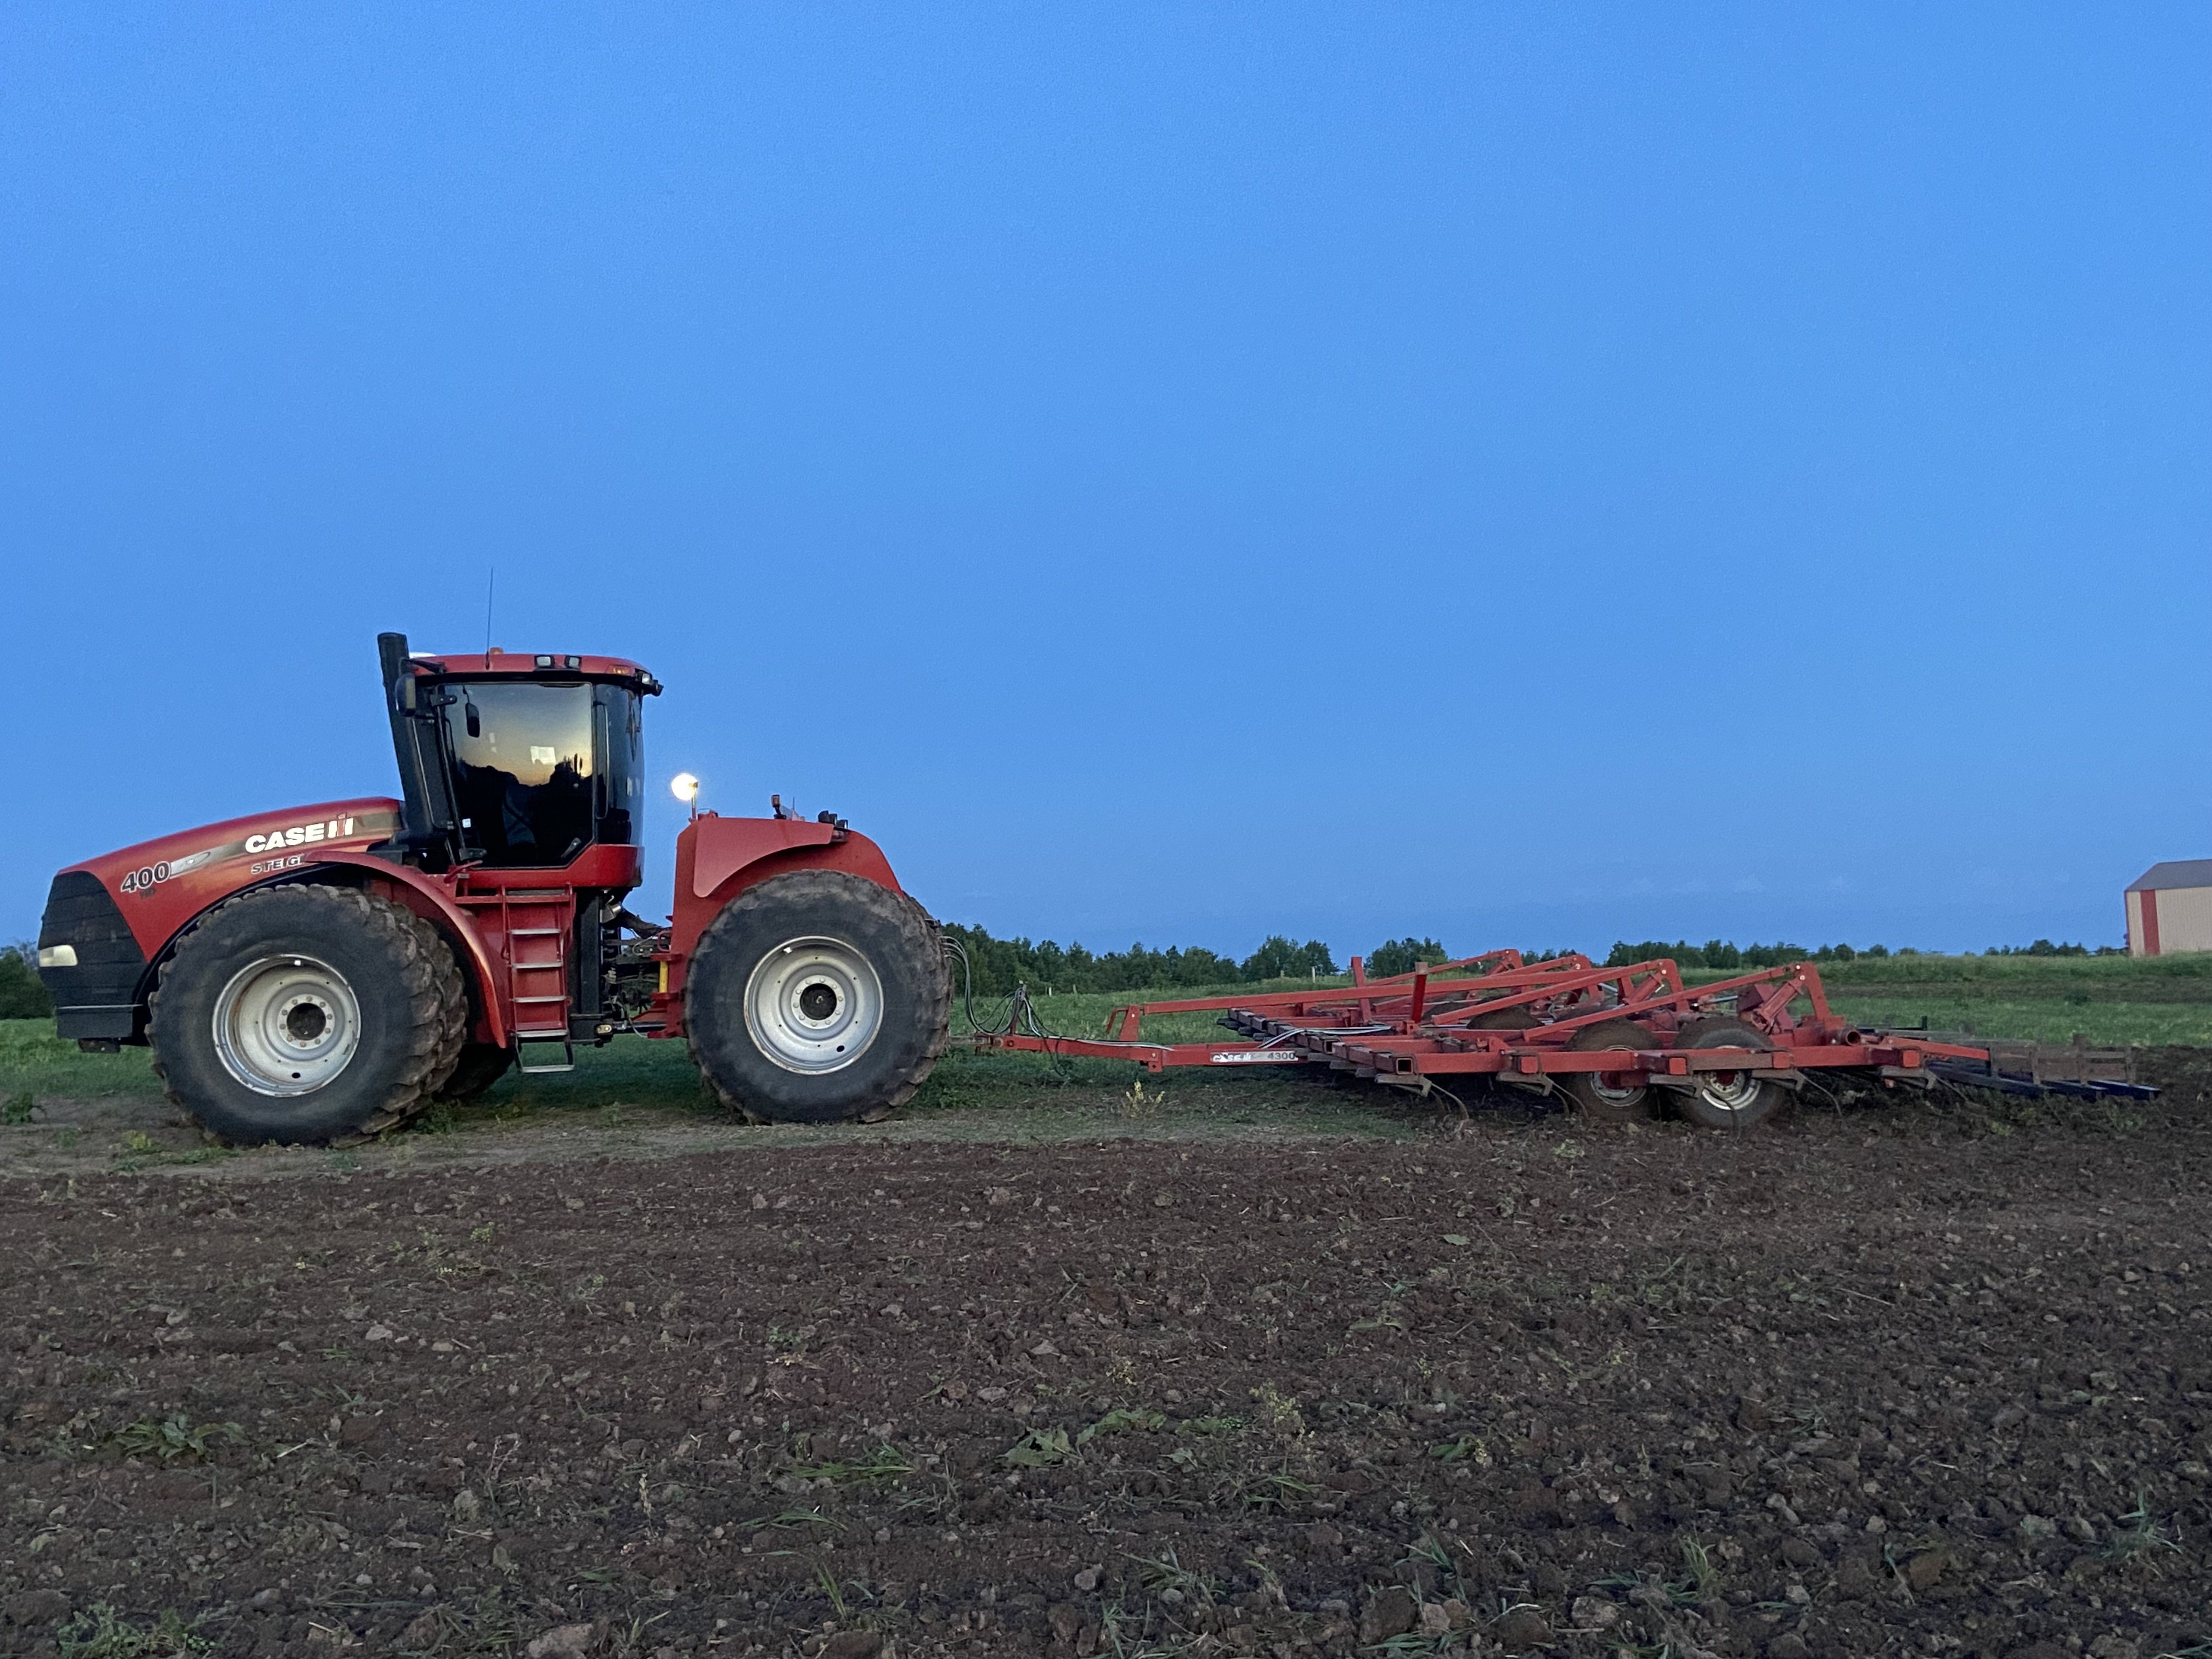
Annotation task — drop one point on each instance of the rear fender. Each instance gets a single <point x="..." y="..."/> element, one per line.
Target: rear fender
<point x="717" y="858"/>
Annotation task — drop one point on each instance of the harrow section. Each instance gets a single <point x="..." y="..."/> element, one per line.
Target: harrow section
<point x="1615" y="1040"/>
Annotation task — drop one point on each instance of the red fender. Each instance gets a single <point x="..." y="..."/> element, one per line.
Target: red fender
<point x="717" y="858"/>
<point x="423" y="896"/>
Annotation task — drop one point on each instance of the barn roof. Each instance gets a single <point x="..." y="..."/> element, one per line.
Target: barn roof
<point x="2175" y="872"/>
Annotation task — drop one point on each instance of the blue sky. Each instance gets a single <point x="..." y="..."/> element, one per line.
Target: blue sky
<point x="1530" y="474"/>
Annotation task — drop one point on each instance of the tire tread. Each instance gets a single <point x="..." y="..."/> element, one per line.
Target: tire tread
<point x="909" y="916"/>
<point x="437" y="997"/>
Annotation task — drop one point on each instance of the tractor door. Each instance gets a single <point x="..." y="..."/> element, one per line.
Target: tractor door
<point x="543" y="770"/>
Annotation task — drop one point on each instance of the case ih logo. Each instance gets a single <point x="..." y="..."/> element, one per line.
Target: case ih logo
<point x="301" y="835"/>
<point x="275" y="841"/>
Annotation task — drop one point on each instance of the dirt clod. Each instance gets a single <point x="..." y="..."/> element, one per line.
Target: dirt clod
<point x="1922" y="1571"/>
<point x="1523" y="1627"/>
<point x="562" y="1641"/>
<point x="40" y="1607"/>
<point x="1593" y="1612"/>
<point x="1393" y="1611"/>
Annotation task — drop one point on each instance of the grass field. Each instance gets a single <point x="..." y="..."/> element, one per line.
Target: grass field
<point x="2106" y="999"/>
<point x="2112" y="1000"/>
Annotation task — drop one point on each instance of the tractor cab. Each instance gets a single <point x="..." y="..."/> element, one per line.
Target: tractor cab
<point x="514" y="760"/>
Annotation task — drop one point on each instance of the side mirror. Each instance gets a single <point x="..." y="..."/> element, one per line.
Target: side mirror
<point x="476" y="723"/>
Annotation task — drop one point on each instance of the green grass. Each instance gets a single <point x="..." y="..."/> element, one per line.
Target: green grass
<point x="635" y="1085"/>
<point x="174" y="1437"/>
<point x="36" y="1063"/>
<point x="102" y="1632"/>
<point x="2184" y="979"/>
<point x="2039" y="1020"/>
<point x="2107" y="1000"/>
<point x="1084" y="1014"/>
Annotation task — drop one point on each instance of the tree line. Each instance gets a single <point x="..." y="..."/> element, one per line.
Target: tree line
<point x="1719" y="953"/>
<point x="1000" y="964"/>
<point x="22" y="993"/>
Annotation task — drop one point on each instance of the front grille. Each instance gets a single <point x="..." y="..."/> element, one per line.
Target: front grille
<point x="98" y="997"/>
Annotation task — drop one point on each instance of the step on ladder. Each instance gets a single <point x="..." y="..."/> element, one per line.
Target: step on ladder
<point x="523" y="1045"/>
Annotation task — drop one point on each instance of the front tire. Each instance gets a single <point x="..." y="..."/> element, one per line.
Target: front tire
<point x="816" y="997"/>
<point x="307" y="1015"/>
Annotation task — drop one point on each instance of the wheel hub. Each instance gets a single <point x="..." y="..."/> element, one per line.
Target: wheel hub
<point x="286" y="1025"/>
<point x="1731" y="1091"/>
<point x="814" y="1005"/>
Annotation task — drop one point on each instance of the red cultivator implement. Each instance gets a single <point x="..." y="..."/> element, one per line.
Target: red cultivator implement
<point x="1614" y="1041"/>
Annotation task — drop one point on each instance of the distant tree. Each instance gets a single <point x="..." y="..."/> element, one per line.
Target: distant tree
<point x="1398" y="956"/>
<point x="1278" y="958"/>
<point x="1773" y="956"/>
<point x="1136" y="968"/>
<point x="1682" y="952"/>
<point x="22" y="993"/>
<point x="996" y="965"/>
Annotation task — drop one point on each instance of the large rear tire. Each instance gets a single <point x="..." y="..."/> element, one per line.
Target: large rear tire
<point x="815" y="997"/>
<point x="307" y="1015"/>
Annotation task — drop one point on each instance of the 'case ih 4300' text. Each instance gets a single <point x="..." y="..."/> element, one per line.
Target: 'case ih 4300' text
<point x="322" y="973"/>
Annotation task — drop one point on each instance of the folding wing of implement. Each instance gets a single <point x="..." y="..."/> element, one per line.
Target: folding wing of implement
<point x="1617" y="1041"/>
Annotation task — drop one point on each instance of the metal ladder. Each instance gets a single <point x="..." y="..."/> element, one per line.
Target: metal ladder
<point x="538" y="975"/>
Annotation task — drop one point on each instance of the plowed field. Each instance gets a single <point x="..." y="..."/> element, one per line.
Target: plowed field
<point x="1867" y="1382"/>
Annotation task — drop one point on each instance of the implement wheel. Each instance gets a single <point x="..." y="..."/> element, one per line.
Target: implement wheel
<point x="307" y="1015"/>
<point x="1521" y="1018"/>
<point x="1601" y="1096"/>
<point x="817" y="996"/>
<point x="1728" y="1100"/>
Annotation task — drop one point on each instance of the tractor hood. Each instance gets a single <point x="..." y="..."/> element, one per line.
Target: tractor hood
<point x="159" y="885"/>
<point x="109" y="918"/>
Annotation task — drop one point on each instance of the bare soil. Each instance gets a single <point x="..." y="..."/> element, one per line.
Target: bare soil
<point x="1878" y="1381"/>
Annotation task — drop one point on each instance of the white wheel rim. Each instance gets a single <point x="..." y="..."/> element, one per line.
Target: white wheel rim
<point x="814" y="1005"/>
<point x="286" y="1025"/>
<point x="1731" y="1091"/>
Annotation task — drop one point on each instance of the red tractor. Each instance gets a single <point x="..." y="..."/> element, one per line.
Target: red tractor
<point x="323" y="972"/>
